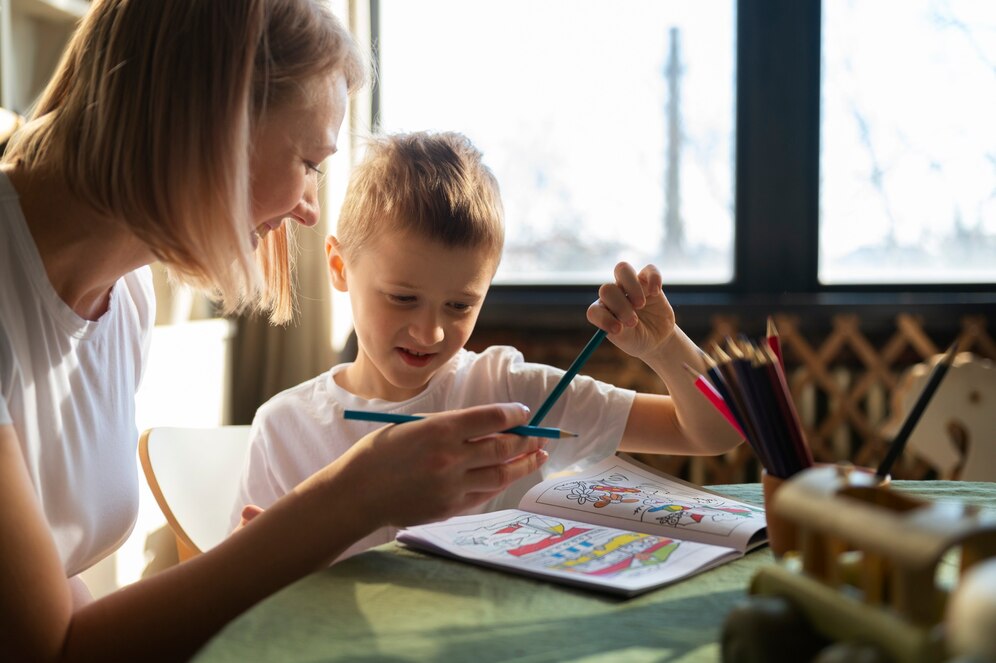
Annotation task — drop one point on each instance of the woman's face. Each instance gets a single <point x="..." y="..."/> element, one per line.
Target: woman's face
<point x="288" y="146"/>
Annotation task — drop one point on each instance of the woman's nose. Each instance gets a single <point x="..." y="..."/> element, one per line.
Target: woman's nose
<point x="308" y="211"/>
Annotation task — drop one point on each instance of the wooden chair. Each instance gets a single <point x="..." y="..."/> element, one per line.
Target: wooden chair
<point x="194" y="475"/>
<point x="956" y="436"/>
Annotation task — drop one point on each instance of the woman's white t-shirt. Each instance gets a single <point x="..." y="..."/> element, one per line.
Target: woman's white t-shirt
<point x="300" y="430"/>
<point x="67" y="385"/>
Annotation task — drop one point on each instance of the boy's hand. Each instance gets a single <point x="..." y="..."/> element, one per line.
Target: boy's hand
<point x="634" y="311"/>
<point x="249" y="511"/>
<point x="439" y="466"/>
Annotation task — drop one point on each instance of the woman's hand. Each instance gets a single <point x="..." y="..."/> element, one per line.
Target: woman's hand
<point x="438" y="466"/>
<point x="634" y="311"/>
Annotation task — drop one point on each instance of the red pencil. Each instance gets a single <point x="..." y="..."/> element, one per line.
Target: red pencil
<point x="775" y="342"/>
<point x="709" y="391"/>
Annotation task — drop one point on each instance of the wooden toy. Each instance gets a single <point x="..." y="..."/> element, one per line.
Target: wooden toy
<point x="870" y="576"/>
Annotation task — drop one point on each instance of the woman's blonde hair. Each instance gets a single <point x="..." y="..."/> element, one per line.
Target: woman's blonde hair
<point x="150" y="116"/>
<point x="434" y="185"/>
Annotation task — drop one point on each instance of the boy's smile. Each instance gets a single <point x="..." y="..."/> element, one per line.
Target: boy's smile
<point x="415" y="302"/>
<point x="413" y="358"/>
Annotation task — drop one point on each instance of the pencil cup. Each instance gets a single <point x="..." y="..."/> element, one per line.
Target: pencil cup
<point x="782" y="534"/>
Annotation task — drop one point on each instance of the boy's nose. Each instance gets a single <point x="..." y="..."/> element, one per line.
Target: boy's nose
<point x="427" y="331"/>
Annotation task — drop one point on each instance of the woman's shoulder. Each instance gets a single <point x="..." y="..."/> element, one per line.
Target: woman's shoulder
<point x="140" y="295"/>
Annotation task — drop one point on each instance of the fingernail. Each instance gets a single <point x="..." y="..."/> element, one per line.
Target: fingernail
<point x="524" y="407"/>
<point x="542" y="455"/>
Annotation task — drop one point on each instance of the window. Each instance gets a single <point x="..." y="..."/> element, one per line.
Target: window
<point x="778" y="159"/>
<point x="908" y="156"/>
<point x="610" y="126"/>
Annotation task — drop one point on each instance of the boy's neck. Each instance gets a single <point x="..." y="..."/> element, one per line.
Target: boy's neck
<point x="362" y="380"/>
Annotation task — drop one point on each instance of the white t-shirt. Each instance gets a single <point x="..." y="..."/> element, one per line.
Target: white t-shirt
<point x="67" y="385"/>
<point x="301" y="430"/>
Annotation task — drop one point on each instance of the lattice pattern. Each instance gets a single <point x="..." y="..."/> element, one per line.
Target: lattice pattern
<point x="842" y="385"/>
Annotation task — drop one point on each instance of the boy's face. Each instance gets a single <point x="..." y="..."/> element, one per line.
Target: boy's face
<point x="415" y="303"/>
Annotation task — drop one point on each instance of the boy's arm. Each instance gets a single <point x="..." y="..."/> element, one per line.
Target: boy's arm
<point x="640" y="321"/>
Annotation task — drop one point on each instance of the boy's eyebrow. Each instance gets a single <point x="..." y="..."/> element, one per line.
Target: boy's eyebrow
<point x="463" y="293"/>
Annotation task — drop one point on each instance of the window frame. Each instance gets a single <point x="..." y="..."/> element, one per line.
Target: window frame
<point x="776" y="205"/>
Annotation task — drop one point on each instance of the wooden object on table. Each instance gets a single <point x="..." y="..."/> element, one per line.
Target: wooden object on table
<point x="868" y="562"/>
<point x="956" y="435"/>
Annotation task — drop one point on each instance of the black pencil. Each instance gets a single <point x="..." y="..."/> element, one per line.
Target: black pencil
<point x="899" y="442"/>
<point x="786" y="405"/>
<point x="736" y="389"/>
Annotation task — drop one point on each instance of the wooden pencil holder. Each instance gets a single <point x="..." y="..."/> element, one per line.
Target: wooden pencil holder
<point x="782" y="533"/>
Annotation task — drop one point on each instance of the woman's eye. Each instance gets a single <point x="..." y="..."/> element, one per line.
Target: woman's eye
<point x="313" y="168"/>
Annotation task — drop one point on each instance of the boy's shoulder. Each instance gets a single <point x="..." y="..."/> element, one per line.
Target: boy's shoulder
<point x="294" y="397"/>
<point x="493" y="359"/>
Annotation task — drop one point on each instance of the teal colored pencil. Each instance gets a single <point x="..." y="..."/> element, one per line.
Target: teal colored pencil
<point x="391" y="418"/>
<point x="595" y="341"/>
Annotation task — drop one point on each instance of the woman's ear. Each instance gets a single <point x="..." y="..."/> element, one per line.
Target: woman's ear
<point x="337" y="266"/>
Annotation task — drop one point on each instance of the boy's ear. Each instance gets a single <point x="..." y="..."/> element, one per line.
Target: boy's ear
<point x="337" y="266"/>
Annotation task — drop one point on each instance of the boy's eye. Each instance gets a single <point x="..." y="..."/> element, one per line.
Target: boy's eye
<point x="460" y="306"/>
<point x="402" y="299"/>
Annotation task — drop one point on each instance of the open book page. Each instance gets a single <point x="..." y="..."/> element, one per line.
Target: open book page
<point x="621" y="493"/>
<point x="570" y="551"/>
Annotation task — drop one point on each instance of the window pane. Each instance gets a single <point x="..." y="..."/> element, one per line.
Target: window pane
<point x="571" y="103"/>
<point x="908" y="156"/>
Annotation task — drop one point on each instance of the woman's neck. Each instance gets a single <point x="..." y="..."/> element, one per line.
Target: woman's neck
<point x="84" y="253"/>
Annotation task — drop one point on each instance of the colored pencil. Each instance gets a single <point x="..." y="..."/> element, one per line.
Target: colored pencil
<point x="392" y="418"/>
<point x="575" y="366"/>
<point x="714" y="397"/>
<point x="769" y="395"/>
<point x="712" y="370"/>
<point x="786" y="405"/>
<point x="752" y="384"/>
<point x="774" y="341"/>
<point x="899" y="442"/>
<point x="725" y="366"/>
<point x="759" y="409"/>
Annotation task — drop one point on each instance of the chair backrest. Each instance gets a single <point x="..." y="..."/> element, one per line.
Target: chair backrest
<point x="194" y="475"/>
<point x="956" y="435"/>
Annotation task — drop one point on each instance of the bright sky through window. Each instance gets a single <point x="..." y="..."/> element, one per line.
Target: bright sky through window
<point x="569" y="101"/>
<point x="908" y="157"/>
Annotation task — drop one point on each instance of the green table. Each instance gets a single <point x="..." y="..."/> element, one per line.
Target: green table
<point x="393" y="604"/>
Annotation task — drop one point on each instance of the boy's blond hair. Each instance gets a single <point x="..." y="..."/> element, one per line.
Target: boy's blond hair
<point x="149" y="118"/>
<point x="433" y="185"/>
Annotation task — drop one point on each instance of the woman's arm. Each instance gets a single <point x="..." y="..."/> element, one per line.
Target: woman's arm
<point x="640" y="321"/>
<point x="397" y="475"/>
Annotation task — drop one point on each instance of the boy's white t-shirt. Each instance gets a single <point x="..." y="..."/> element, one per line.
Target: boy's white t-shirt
<point x="302" y="429"/>
<point x="67" y="386"/>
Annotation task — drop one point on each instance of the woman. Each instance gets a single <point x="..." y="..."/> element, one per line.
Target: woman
<point x="189" y="132"/>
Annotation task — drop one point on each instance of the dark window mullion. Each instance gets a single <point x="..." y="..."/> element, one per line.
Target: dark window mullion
<point x="778" y="65"/>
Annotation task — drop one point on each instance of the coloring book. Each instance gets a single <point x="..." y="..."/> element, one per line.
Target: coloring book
<point x="619" y="526"/>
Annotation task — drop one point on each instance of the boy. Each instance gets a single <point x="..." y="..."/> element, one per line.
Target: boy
<point x="418" y="242"/>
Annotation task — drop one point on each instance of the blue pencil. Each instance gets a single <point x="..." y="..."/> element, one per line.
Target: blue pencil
<point x="595" y="341"/>
<point x="391" y="418"/>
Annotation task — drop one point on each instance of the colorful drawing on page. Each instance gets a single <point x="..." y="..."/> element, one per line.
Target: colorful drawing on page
<point x="548" y="543"/>
<point x="632" y="496"/>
